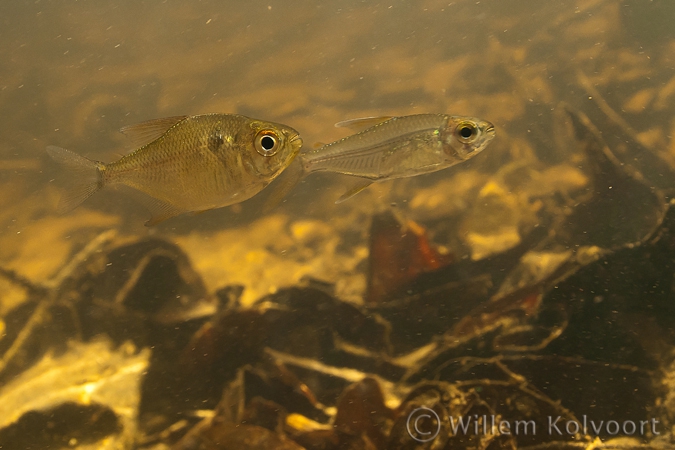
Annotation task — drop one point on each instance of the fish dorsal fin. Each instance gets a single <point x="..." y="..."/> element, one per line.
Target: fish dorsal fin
<point x="143" y="133"/>
<point x="357" y="125"/>
<point x="358" y="187"/>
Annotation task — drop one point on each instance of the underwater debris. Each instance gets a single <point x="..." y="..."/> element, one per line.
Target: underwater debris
<point x="216" y="435"/>
<point x="619" y="208"/>
<point x="143" y="291"/>
<point x="119" y="287"/>
<point x="305" y="322"/>
<point x="545" y="371"/>
<point x="90" y="394"/>
<point x="25" y="336"/>
<point x="398" y="255"/>
<point x="514" y="335"/>
<point x="652" y="162"/>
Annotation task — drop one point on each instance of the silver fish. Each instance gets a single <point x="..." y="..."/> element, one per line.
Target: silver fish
<point x="386" y="148"/>
<point x="188" y="163"/>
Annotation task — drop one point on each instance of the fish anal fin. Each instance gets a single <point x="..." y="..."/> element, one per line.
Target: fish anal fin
<point x="358" y="187"/>
<point x="201" y="211"/>
<point x="362" y="123"/>
<point x="160" y="211"/>
<point x="75" y="194"/>
<point x="143" y="133"/>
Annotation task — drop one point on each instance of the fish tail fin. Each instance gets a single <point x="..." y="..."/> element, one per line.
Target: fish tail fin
<point x="85" y="177"/>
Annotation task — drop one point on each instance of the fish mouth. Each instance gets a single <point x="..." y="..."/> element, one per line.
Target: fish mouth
<point x="490" y="130"/>
<point x="296" y="142"/>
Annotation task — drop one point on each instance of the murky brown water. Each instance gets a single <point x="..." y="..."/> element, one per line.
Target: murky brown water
<point x="73" y="73"/>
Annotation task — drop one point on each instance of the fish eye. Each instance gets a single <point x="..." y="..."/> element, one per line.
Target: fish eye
<point x="267" y="142"/>
<point x="466" y="131"/>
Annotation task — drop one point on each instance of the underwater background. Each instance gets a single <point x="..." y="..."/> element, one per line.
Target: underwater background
<point x="530" y="282"/>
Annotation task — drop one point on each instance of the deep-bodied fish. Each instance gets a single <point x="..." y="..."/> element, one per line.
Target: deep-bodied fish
<point x="386" y="148"/>
<point x="188" y="163"/>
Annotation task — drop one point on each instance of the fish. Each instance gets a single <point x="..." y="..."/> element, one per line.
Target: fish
<point x="386" y="148"/>
<point x="187" y="163"/>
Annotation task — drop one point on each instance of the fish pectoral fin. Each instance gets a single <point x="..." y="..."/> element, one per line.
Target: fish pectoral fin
<point x="361" y="124"/>
<point x="358" y="187"/>
<point x="143" y="133"/>
<point x="288" y="179"/>
<point x="160" y="211"/>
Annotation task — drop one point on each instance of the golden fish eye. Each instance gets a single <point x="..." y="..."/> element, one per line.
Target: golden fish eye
<point x="267" y="142"/>
<point x="466" y="132"/>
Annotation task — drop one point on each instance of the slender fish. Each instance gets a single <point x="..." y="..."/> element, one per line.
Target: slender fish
<point x="385" y="148"/>
<point x="188" y="163"/>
